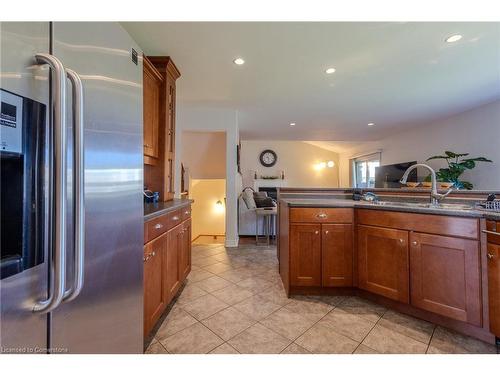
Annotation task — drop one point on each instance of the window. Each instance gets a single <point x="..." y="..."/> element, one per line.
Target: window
<point x="364" y="170"/>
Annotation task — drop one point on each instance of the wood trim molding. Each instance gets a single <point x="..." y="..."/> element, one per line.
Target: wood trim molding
<point x="167" y="65"/>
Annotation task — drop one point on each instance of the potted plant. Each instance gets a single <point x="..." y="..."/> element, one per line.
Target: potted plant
<point x="457" y="164"/>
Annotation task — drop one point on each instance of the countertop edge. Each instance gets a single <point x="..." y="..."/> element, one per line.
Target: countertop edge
<point x="172" y="206"/>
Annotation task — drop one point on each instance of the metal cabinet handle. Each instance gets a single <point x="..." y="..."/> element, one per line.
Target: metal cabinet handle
<point x="490" y="256"/>
<point x="158" y="226"/>
<point x="316" y="232"/>
<point x="78" y="187"/>
<point x="187" y="212"/>
<point x="401" y="240"/>
<point x="175" y="218"/>
<point x="58" y="171"/>
<point x="321" y="216"/>
<point x="153" y="254"/>
<point x="414" y="243"/>
<point x="490" y="232"/>
<point x="326" y="232"/>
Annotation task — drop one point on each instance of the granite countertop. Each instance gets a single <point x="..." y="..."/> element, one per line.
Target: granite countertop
<point x="392" y="206"/>
<point x="152" y="210"/>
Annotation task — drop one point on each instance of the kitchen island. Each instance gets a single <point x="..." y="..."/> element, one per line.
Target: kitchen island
<point x="429" y="262"/>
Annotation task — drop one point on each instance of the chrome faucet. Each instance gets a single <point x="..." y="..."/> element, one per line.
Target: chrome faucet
<point x="435" y="196"/>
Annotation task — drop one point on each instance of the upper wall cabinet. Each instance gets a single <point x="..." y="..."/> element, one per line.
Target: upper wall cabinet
<point x="160" y="75"/>
<point x="152" y="84"/>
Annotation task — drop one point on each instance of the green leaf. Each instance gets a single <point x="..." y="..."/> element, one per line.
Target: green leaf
<point x="479" y="159"/>
<point x="451" y="154"/>
<point x="469" y="164"/>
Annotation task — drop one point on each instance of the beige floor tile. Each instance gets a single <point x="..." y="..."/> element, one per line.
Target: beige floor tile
<point x="256" y="284"/>
<point x="387" y="341"/>
<point x="309" y="307"/>
<point x="350" y="325"/>
<point x="202" y="262"/>
<point x="450" y="342"/>
<point x="228" y="323"/>
<point x="257" y="307"/>
<point x="204" y="307"/>
<point x="224" y="349"/>
<point x="366" y="309"/>
<point x="156" y="348"/>
<point x="417" y="329"/>
<point x="236" y="275"/>
<point x="189" y="293"/>
<point x="232" y="294"/>
<point x="363" y="349"/>
<point x="176" y="320"/>
<point x="293" y="348"/>
<point x="259" y="339"/>
<point x="276" y="295"/>
<point x="198" y="275"/>
<point x="218" y="268"/>
<point x="196" y="339"/>
<point x="287" y="323"/>
<point x="212" y="284"/>
<point x="322" y="339"/>
<point x="329" y="300"/>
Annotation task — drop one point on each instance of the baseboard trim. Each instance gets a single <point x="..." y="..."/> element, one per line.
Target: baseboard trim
<point x="232" y="243"/>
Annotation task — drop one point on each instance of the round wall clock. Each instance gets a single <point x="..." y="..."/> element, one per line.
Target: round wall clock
<point x="268" y="158"/>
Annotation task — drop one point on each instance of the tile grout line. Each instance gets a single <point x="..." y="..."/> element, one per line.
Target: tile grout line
<point x="364" y="338"/>
<point x="430" y="340"/>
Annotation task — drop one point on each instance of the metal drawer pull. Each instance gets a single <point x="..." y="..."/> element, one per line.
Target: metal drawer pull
<point x="187" y="212"/>
<point x="491" y="232"/>
<point x="321" y="216"/>
<point x="175" y="218"/>
<point x="401" y="240"/>
<point x="316" y="232"/>
<point x="158" y="226"/>
<point x="414" y="243"/>
<point x="490" y="256"/>
<point x="326" y="232"/>
<point x="153" y="254"/>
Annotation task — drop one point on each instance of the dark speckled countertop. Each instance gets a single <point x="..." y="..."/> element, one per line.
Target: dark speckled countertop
<point x="152" y="210"/>
<point x="391" y="206"/>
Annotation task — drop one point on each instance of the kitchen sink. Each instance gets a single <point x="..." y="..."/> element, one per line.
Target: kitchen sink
<point x="442" y="206"/>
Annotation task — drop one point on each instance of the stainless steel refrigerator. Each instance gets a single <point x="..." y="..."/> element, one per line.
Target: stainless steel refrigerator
<point x="72" y="181"/>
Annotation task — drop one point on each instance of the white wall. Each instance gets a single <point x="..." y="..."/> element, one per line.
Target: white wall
<point x="208" y="159"/>
<point x="207" y="218"/>
<point x="194" y="118"/>
<point x="295" y="158"/>
<point x="476" y="131"/>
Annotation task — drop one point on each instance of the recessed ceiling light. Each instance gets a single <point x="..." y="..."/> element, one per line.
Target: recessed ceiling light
<point x="239" y="61"/>
<point x="371" y="123"/>
<point x="292" y="124"/>
<point x="453" y="38"/>
<point x="330" y="71"/>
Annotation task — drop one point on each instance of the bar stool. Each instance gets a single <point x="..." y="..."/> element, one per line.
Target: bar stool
<point x="268" y="215"/>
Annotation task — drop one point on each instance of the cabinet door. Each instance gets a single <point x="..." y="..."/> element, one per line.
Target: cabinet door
<point x="383" y="262"/>
<point x="305" y="254"/>
<point x="151" y="109"/>
<point x="170" y="141"/>
<point x="336" y="252"/>
<point x="185" y="251"/>
<point x="172" y="277"/>
<point x="445" y="276"/>
<point x="494" y="287"/>
<point x="154" y="298"/>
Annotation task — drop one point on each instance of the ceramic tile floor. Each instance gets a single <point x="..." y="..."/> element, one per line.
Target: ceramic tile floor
<point x="234" y="302"/>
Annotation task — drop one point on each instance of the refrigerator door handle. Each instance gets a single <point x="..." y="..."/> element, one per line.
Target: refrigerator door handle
<point x="58" y="174"/>
<point x="78" y="187"/>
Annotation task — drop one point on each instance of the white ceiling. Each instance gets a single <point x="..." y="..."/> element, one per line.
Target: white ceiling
<point x="394" y="74"/>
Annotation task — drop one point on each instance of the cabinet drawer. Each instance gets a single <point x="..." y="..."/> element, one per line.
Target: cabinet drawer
<point x="321" y="215"/>
<point x="155" y="227"/>
<point x="493" y="226"/>
<point x="424" y="223"/>
<point x="175" y="218"/>
<point x="186" y="213"/>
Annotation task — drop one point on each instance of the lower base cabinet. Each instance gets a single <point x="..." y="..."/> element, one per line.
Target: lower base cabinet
<point x="167" y="263"/>
<point x="383" y="266"/>
<point x="336" y="255"/>
<point x="305" y="254"/>
<point x="445" y="276"/>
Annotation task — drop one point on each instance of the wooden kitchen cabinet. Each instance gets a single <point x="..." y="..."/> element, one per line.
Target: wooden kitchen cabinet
<point x="383" y="266"/>
<point x="336" y="253"/>
<point x="305" y="254"/>
<point x="154" y="296"/>
<point x="445" y="276"/>
<point x="185" y="250"/>
<point x="172" y="276"/>
<point x="152" y="83"/>
<point x="494" y="287"/>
